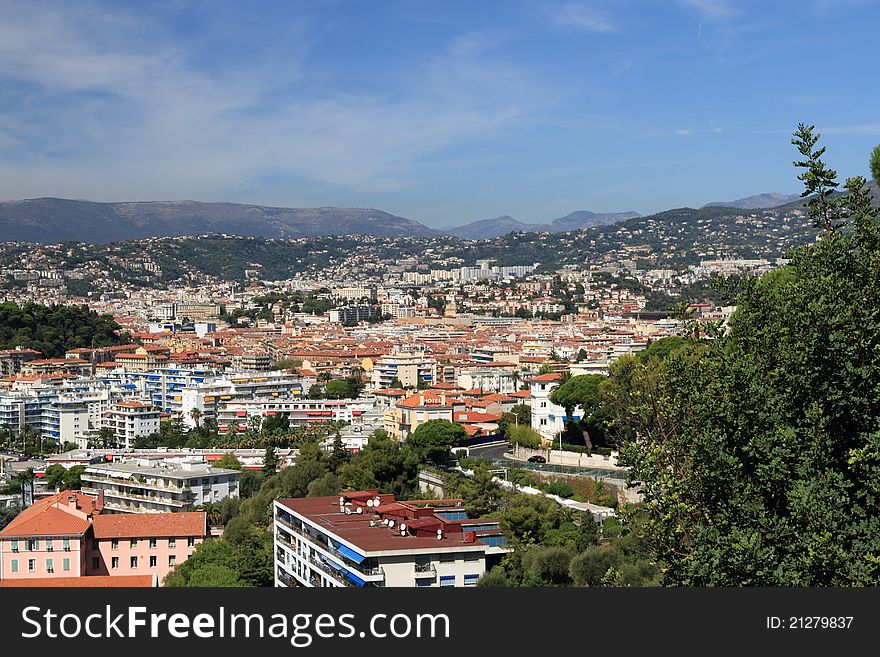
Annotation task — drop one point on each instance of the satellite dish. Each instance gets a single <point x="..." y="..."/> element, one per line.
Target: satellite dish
<point x="370" y="502"/>
<point x="439" y="534"/>
<point x="403" y="528"/>
<point x="360" y="509"/>
<point x="376" y="501"/>
<point x="341" y="500"/>
<point x="391" y="523"/>
<point x="347" y="511"/>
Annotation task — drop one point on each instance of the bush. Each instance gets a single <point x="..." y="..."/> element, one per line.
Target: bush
<point x="590" y="566"/>
<point x="559" y="488"/>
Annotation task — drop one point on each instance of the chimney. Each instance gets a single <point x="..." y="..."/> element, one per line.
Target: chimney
<point x="71" y="501"/>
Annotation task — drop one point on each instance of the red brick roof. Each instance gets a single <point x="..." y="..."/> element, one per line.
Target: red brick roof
<point x="150" y="525"/>
<point x="552" y="376"/>
<point x="52" y="516"/>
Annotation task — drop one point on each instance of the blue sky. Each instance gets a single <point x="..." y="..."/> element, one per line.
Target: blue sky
<point x="440" y="111"/>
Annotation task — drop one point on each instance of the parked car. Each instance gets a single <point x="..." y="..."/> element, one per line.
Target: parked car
<point x="537" y="458"/>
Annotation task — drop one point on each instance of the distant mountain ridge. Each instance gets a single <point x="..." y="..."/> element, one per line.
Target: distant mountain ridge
<point x="491" y="228"/>
<point x="756" y="202"/>
<point x="49" y="220"/>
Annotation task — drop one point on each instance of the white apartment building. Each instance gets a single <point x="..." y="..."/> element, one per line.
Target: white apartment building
<point x="366" y="539"/>
<point x="130" y="420"/>
<point x="158" y="485"/>
<point x="548" y="419"/>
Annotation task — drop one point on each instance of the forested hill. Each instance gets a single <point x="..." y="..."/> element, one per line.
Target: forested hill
<point x="53" y="330"/>
<point x="673" y="239"/>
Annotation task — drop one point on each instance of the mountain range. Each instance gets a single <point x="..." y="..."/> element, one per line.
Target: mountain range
<point x="756" y="202"/>
<point x="57" y="220"/>
<point x="47" y="220"/>
<point x="490" y="228"/>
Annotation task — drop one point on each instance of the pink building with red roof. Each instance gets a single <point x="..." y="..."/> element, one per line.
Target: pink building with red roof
<point x="67" y="536"/>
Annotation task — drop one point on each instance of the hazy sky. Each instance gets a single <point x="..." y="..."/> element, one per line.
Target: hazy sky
<point x="437" y="110"/>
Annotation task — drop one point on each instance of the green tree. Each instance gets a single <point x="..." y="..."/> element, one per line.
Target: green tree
<point x="277" y="423"/>
<point x="433" y="440"/>
<point x="337" y="389"/>
<point x="759" y="458"/>
<point x="229" y="461"/>
<point x="270" y="462"/>
<point x="482" y="494"/>
<point x="590" y="566"/>
<point x="547" y="566"/>
<point x="875" y="164"/>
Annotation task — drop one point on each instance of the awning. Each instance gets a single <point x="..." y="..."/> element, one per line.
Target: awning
<point x="354" y="578"/>
<point x="351" y="554"/>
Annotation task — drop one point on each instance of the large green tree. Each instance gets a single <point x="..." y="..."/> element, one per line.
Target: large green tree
<point x="759" y="456"/>
<point x="433" y="440"/>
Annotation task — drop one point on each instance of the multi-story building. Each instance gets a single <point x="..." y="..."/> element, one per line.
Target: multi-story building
<point x="368" y="539"/>
<point x="548" y="419"/>
<point x="350" y="314"/>
<point x="70" y="535"/>
<point x="409" y="368"/>
<point x="157" y="485"/>
<point x="130" y="420"/>
<point x="12" y="360"/>
<point x="407" y="414"/>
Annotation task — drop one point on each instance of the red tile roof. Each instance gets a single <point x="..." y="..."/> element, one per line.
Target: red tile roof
<point x="53" y="516"/>
<point x="150" y="525"/>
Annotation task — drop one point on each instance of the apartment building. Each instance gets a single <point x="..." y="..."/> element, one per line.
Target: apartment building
<point x="350" y="314"/>
<point x="409" y="368"/>
<point x="159" y="485"/>
<point x="367" y="539"/>
<point x="548" y="419"/>
<point x="407" y="414"/>
<point x="131" y="419"/>
<point x="12" y="360"/>
<point x="69" y="536"/>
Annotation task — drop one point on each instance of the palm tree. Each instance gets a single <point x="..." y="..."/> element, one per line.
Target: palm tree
<point x="26" y="477"/>
<point x="196" y="415"/>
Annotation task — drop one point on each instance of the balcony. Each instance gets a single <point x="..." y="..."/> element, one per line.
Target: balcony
<point x="424" y="570"/>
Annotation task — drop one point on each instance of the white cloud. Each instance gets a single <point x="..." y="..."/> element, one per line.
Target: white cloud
<point x="684" y="132"/>
<point x="580" y="16"/>
<point x="119" y="113"/>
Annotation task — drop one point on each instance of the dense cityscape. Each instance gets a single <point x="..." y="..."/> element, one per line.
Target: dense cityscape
<point x="305" y="394"/>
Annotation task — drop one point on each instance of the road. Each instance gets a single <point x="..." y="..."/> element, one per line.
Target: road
<point x="496" y="454"/>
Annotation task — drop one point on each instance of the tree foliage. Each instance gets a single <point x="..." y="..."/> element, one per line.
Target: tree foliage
<point x="759" y="458"/>
<point x="55" y="329"/>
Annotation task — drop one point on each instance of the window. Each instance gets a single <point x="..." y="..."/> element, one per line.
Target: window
<point x="206" y="481"/>
<point x="114" y="563"/>
<point x="14" y="566"/>
<point x="32" y="546"/>
<point x="471" y="580"/>
<point x="66" y="544"/>
<point x="424" y="582"/>
<point x="133" y="543"/>
<point x="49" y="546"/>
<point x="447" y="557"/>
<point x="114" y="544"/>
<point x="447" y="580"/>
<point x="65" y="565"/>
<point x="191" y="542"/>
<point x="32" y="565"/>
<point x="216" y="480"/>
<point x="153" y="561"/>
<point x="172" y="560"/>
<point x="134" y="562"/>
<point x="95" y="544"/>
<point x="96" y="564"/>
<point x="15" y="546"/>
<point x="152" y="543"/>
<point x="172" y="542"/>
<point x="472" y="556"/>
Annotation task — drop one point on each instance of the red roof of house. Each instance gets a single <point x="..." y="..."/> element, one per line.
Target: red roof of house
<point x="150" y="525"/>
<point x="51" y="516"/>
<point x="552" y="376"/>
